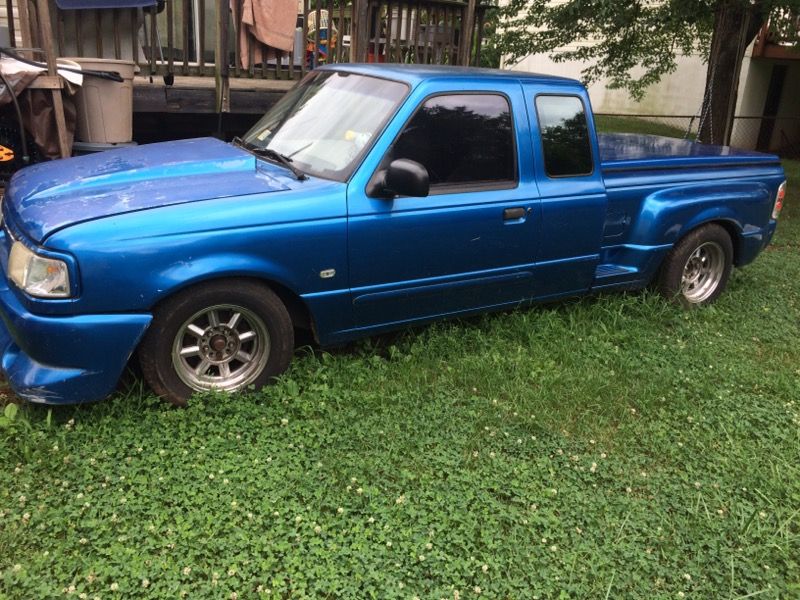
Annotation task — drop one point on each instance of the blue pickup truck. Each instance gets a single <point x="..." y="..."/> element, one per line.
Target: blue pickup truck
<point x="369" y="198"/>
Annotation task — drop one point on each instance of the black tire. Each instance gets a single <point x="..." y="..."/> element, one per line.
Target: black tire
<point x="696" y="270"/>
<point x="263" y="333"/>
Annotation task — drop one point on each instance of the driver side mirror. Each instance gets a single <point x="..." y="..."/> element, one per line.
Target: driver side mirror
<point x="403" y="177"/>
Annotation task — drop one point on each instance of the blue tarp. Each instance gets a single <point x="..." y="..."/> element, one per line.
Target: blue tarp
<point x="75" y="4"/>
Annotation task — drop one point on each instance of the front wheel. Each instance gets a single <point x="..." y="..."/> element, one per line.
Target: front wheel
<point x="697" y="269"/>
<point x="225" y="335"/>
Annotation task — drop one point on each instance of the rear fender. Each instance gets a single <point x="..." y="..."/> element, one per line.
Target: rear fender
<point x="668" y="215"/>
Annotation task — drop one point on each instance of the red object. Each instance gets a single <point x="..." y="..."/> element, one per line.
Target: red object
<point x="371" y="58"/>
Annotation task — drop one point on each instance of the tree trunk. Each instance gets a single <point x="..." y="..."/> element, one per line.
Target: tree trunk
<point x="736" y="24"/>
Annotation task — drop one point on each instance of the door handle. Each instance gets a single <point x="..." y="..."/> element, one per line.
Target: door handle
<point x="512" y="214"/>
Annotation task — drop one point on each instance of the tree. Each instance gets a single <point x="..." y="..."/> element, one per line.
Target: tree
<point x="635" y="43"/>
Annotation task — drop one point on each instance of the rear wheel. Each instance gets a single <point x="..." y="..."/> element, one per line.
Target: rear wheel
<point x="225" y="335"/>
<point x="697" y="269"/>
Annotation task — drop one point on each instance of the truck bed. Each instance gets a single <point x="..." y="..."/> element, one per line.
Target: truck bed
<point x="630" y="151"/>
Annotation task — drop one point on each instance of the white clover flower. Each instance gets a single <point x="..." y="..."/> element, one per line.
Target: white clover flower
<point x="26" y="516"/>
<point x="84" y="541"/>
<point x="485" y="568"/>
<point x="340" y="510"/>
<point x="17" y="568"/>
<point x="317" y="529"/>
<point x="553" y="548"/>
<point x="284" y="422"/>
<point x="22" y="499"/>
<point x="681" y="595"/>
<point x="187" y="570"/>
<point x="400" y="499"/>
<point x="145" y="583"/>
<point x="225" y="481"/>
<point x="491" y="454"/>
<point x="593" y="468"/>
<point x="231" y="572"/>
<point x="477" y="590"/>
<point x="474" y="454"/>
<point x="388" y="544"/>
<point x="17" y="470"/>
<point x="371" y="520"/>
<point x="234" y="596"/>
<point x="429" y="546"/>
<point x="114" y="587"/>
<point x="123" y="500"/>
<point x="359" y="491"/>
<point x="687" y="577"/>
<point x="79" y="496"/>
<point x="276" y="514"/>
<point x="762" y="514"/>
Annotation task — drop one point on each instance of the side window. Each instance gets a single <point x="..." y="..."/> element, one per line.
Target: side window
<point x="565" y="136"/>
<point x="461" y="139"/>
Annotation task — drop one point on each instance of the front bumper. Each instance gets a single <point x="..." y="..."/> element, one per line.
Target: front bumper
<point x="64" y="360"/>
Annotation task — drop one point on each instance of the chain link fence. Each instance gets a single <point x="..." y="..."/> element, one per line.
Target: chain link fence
<point x="768" y="134"/>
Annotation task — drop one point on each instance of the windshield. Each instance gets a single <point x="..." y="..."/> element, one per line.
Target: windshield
<point x="326" y="122"/>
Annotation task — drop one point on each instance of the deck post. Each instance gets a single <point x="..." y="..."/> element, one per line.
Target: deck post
<point x="359" y="37"/>
<point x="221" y="67"/>
<point x="46" y="41"/>
<point x="465" y="39"/>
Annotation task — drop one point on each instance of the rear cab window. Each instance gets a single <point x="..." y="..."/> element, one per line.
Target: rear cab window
<point x="566" y="143"/>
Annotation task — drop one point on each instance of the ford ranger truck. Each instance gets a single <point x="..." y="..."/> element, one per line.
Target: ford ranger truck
<point x="369" y="198"/>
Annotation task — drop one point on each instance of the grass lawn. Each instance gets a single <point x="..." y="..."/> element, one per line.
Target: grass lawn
<point x="609" y="447"/>
<point x="607" y="123"/>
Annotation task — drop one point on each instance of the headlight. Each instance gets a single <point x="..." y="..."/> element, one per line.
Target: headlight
<point x="36" y="275"/>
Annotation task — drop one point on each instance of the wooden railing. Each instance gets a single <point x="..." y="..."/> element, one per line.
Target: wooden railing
<point x="198" y="37"/>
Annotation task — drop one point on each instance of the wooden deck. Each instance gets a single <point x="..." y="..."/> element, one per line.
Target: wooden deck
<point x="198" y="95"/>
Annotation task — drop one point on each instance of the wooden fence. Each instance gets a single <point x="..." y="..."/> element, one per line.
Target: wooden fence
<point x="199" y="37"/>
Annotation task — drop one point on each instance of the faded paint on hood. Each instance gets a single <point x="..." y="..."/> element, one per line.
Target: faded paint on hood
<point x="50" y="196"/>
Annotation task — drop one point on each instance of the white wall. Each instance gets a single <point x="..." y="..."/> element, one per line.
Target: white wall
<point x="680" y="93"/>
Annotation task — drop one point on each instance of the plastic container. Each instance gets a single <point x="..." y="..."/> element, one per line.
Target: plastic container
<point x="105" y="107"/>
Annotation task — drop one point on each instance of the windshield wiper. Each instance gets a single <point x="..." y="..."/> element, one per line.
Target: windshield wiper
<point x="272" y="155"/>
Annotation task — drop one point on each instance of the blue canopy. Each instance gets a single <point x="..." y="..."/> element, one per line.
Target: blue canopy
<point x="76" y="4"/>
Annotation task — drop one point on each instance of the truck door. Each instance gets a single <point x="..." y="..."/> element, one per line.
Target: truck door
<point x="573" y="196"/>
<point x="471" y="243"/>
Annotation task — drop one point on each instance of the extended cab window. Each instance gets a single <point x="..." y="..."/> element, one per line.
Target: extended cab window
<point x="462" y="139"/>
<point x="565" y="136"/>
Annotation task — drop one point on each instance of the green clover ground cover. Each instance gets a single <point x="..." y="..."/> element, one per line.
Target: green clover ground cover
<point x="610" y="447"/>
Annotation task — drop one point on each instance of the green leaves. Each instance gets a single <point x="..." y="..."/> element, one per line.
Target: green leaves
<point x="633" y="44"/>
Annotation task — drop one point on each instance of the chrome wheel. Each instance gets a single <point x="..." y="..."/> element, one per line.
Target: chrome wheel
<point x="223" y="347"/>
<point x="703" y="272"/>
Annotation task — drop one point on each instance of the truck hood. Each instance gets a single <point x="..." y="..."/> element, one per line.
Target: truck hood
<point x="47" y="197"/>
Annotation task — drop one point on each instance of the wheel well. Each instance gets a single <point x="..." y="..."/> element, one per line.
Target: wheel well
<point x="728" y="226"/>
<point x="298" y="311"/>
